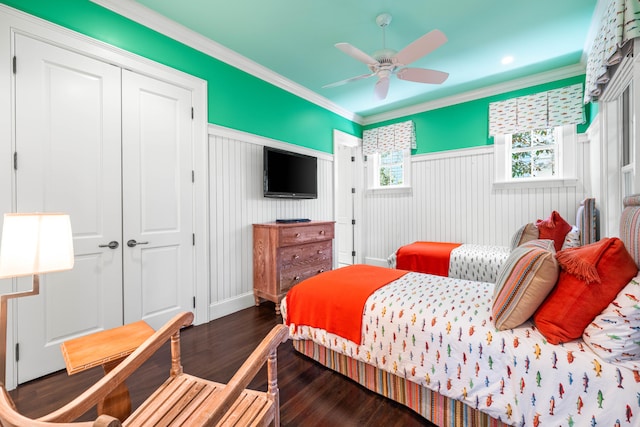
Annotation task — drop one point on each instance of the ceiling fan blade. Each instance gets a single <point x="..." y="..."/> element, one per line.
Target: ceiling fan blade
<point x="422" y="75"/>
<point x="352" y="79"/>
<point x="382" y="87"/>
<point x="420" y="47"/>
<point x="356" y="53"/>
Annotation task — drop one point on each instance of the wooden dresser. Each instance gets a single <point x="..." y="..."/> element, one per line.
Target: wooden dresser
<point x="285" y="254"/>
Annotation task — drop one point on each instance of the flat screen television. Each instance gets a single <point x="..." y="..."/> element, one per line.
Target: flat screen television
<point x="289" y="175"/>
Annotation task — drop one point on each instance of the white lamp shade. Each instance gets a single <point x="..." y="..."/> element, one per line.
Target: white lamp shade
<point x="35" y="243"/>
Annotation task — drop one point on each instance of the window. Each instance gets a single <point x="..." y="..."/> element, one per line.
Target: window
<point x="537" y="157"/>
<point x="628" y="154"/>
<point x="534" y="154"/>
<point x="389" y="170"/>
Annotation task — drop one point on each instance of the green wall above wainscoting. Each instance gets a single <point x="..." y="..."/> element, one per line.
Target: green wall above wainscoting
<point x="236" y="99"/>
<point x="241" y="101"/>
<point x="466" y="125"/>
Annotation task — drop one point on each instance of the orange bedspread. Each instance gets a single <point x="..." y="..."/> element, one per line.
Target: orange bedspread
<point x="426" y="257"/>
<point x="334" y="300"/>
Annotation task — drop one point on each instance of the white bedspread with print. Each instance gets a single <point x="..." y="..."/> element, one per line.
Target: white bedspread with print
<point x="477" y="262"/>
<point x="438" y="332"/>
<point x="472" y="262"/>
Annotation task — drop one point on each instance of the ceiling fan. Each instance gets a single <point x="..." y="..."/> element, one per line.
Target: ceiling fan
<point x="385" y="62"/>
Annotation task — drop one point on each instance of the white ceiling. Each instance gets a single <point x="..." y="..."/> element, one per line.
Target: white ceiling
<point x="295" y="39"/>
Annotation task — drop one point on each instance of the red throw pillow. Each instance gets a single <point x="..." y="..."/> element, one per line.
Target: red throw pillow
<point x="554" y="228"/>
<point x="591" y="277"/>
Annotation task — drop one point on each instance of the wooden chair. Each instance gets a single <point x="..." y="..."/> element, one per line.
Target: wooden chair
<point x="182" y="399"/>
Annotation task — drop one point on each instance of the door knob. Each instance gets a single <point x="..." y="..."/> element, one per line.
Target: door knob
<point x="132" y="243"/>
<point x="111" y="245"/>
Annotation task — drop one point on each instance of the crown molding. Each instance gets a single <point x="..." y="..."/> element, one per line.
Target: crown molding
<point x="157" y="22"/>
<point x="533" y="80"/>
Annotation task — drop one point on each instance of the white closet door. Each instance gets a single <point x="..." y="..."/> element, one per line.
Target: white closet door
<point x="158" y="198"/>
<point x="69" y="160"/>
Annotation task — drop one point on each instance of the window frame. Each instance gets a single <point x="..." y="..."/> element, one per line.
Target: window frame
<point x="567" y="163"/>
<point x="557" y="150"/>
<point x="373" y="165"/>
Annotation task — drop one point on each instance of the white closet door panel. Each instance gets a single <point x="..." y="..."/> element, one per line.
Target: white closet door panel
<point x="158" y="198"/>
<point x="68" y="145"/>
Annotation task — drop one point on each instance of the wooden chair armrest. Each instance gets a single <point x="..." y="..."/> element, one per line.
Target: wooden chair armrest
<point x="231" y="391"/>
<point x="110" y="381"/>
<point x="12" y="417"/>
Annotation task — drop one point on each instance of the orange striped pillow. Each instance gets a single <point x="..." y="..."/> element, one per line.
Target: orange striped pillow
<point x="524" y="281"/>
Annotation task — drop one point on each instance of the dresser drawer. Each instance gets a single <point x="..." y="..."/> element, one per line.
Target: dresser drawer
<point x="305" y="234"/>
<point x="309" y="253"/>
<point x="292" y="276"/>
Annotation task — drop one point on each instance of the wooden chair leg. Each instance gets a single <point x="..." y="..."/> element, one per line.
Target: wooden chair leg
<point x="273" y="391"/>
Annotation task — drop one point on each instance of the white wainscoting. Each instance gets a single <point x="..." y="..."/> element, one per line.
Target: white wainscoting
<point x="453" y="199"/>
<point x="236" y="202"/>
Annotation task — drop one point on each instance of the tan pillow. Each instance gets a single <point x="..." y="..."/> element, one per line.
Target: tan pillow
<point x="524" y="234"/>
<point x="524" y="281"/>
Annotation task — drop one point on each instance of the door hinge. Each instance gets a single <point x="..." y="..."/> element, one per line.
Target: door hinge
<point x="15" y="64"/>
<point x="193" y="239"/>
<point x="353" y="158"/>
<point x="353" y="190"/>
<point x="193" y="176"/>
<point x="194" y="302"/>
<point x="365" y="158"/>
<point x="192" y="113"/>
<point x="353" y="222"/>
<point x="15" y="160"/>
<point x="17" y="351"/>
<point x="353" y="253"/>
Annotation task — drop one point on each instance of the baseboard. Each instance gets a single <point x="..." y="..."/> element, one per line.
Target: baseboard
<point x="380" y="262"/>
<point x="230" y="306"/>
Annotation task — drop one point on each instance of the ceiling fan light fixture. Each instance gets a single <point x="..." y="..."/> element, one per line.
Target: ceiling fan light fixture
<point x="386" y="62"/>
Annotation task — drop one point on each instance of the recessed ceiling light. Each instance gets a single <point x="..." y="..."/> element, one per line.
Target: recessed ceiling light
<point x="507" y="60"/>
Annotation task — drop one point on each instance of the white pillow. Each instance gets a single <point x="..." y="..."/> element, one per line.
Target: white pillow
<point x="614" y="334"/>
<point x="572" y="239"/>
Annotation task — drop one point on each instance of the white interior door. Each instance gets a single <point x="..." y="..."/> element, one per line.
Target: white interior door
<point x="345" y="152"/>
<point x="68" y="160"/>
<point x="158" y="199"/>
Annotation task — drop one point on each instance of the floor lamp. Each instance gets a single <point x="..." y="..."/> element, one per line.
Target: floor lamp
<point x="32" y="244"/>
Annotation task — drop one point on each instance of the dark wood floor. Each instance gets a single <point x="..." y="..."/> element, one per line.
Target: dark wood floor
<point x="310" y="395"/>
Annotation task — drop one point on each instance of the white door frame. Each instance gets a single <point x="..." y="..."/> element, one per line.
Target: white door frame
<point x="342" y="138"/>
<point x="13" y="21"/>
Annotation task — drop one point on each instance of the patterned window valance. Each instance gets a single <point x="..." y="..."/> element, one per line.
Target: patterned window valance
<point x="384" y="139"/>
<point x="553" y="108"/>
<point x="620" y="24"/>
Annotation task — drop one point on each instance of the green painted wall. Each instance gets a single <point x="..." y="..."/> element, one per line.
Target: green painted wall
<point x="466" y="124"/>
<point x="240" y="101"/>
<point x="236" y="99"/>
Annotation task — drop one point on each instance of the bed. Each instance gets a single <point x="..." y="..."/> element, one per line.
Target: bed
<point x="482" y="262"/>
<point x="432" y="343"/>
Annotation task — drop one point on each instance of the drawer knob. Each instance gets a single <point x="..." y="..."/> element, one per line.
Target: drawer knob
<point x="320" y="252"/>
<point x="321" y="231"/>
<point x="297" y="234"/>
<point x="321" y="270"/>
<point x="296" y="256"/>
<point x="296" y="278"/>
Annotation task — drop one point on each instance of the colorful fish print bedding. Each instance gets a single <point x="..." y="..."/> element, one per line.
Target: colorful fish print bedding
<point x="438" y="332"/>
<point x="481" y="263"/>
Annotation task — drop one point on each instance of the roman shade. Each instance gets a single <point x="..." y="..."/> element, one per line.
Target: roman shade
<point x="384" y="139"/>
<point x="619" y="26"/>
<point x="557" y="107"/>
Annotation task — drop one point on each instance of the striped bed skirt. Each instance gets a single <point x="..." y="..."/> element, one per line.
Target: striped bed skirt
<point x="438" y="409"/>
